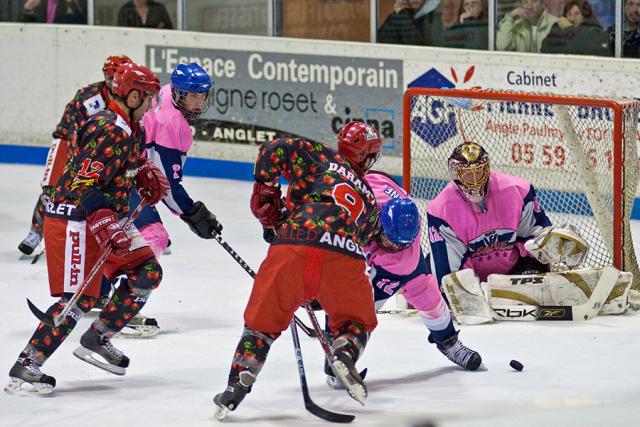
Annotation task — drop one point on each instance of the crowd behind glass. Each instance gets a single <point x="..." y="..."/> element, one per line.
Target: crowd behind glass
<point x="583" y="27"/>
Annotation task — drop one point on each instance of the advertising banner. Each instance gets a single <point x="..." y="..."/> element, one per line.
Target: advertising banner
<point x="258" y="96"/>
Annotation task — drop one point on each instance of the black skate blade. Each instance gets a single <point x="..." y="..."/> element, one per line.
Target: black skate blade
<point x="45" y="318"/>
<point x="37" y="256"/>
<point x="332" y="417"/>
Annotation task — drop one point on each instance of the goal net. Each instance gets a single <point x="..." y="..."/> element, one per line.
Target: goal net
<point x="580" y="154"/>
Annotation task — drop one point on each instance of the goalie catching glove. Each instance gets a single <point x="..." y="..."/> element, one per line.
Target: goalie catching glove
<point x="201" y="221"/>
<point x="558" y="246"/>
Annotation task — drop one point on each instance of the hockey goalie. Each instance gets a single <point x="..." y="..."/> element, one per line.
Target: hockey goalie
<point x="496" y="254"/>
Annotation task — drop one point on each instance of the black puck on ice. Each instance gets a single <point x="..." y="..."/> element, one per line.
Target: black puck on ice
<point x="516" y="365"/>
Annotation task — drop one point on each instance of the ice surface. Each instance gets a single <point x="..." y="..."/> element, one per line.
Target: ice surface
<point x="575" y="373"/>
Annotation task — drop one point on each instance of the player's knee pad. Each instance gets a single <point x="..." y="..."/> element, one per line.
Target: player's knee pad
<point x="156" y="236"/>
<point x="422" y="292"/>
<point x="145" y="278"/>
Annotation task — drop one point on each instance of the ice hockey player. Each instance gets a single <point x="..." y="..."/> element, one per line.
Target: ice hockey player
<point x="86" y="102"/>
<point x="85" y="217"/>
<point x="396" y="262"/>
<point x="169" y="139"/>
<point x="317" y="253"/>
<point x="487" y="222"/>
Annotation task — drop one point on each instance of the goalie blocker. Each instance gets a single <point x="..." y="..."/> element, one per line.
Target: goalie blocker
<point x="571" y="295"/>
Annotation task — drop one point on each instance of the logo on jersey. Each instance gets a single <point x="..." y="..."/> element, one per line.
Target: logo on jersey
<point x="491" y="242"/>
<point x="94" y="104"/>
<point x="76" y="259"/>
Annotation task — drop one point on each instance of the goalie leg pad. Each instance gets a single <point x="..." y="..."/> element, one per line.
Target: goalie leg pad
<point x="468" y="303"/>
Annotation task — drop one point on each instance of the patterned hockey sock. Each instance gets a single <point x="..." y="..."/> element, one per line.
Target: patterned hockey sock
<point x="251" y="353"/>
<point x="45" y="339"/>
<point x="129" y="298"/>
<point x="37" y="219"/>
<point x="356" y="337"/>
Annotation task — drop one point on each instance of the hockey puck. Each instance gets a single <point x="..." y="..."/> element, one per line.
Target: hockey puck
<point x="516" y="365"/>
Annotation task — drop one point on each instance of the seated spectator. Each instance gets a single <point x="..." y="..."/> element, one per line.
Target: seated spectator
<point x="399" y="27"/>
<point x="577" y="32"/>
<point x="472" y="30"/>
<point x="434" y="18"/>
<point x="525" y="27"/>
<point x="54" y="11"/>
<point x="144" y="13"/>
<point x="631" y="26"/>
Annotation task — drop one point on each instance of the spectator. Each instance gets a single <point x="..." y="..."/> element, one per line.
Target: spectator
<point x="631" y="26"/>
<point x="525" y="27"/>
<point x="54" y="11"/>
<point x="400" y="27"/>
<point x="435" y="17"/>
<point x="577" y="31"/>
<point x="472" y="30"/>
<point x="144" y="13"/>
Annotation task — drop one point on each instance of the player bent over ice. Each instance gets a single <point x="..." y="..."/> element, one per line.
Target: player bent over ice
<point x="486" y="222"/>
<point x="316" y="253"/>
<point x="85" y="218"/>
<point x="86" y="102"/>
<point x="168" y="139"/>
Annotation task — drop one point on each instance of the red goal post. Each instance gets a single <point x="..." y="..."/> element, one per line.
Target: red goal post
<point x="580" y="153"/>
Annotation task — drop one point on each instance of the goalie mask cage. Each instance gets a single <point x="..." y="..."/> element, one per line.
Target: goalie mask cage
<point x="580" y="154"/>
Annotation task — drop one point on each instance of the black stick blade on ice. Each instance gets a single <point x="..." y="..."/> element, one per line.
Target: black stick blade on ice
<point x="45" y="318"/>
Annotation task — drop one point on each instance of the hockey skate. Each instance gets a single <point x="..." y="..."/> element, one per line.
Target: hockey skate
<point x="25" y="378"/>
<point x="332" y="381"/>
<point x="458" y="353"/>
<point x="30" y="243"/>
<point x="140" y="327"/>
<point x="229" y="399"/>
<point x="98" y="351"/>
<point x="345" y="371"/>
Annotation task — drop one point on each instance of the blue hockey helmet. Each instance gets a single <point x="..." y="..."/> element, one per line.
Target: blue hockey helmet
<point x="190" y="78"/>
<point x="400" y="221"/>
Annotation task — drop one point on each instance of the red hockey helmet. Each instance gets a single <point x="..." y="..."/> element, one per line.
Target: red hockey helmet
<point x="360" y="143"/>
<point x="111" y="64"/>
<point x="132" y="76"/>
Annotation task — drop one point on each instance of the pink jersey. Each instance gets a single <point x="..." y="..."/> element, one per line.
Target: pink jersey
<point x="491" y="241"/>
<point x="165" y="124"/>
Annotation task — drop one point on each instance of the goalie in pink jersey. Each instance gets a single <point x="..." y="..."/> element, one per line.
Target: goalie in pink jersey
<point x="482" y="219"/>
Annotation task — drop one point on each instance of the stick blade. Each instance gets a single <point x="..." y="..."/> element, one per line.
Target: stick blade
<point x="332" y="417"/>
<point x="45" y="318"/>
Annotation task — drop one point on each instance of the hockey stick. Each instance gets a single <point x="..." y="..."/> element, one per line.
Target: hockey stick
<point x="55" y="321"/>
<point x="586" y="311"/>
<point x="307" y="330"/>
<point x="309" y="405"/>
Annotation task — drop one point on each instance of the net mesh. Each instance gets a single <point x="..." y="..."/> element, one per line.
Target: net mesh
<point x="564" y="147"/>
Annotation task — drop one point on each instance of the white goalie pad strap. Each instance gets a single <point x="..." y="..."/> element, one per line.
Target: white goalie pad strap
<point x="561" y="246"/>
<point x="569" y="288"/>
<point x="468" y="302"/>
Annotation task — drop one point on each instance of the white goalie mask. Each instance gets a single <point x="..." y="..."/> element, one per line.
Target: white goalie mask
<point x="469" y="170"/>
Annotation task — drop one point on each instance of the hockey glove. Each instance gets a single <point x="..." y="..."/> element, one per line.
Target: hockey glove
<point x="151" y="183"/>
<point x="266" y="204"/>
<point x="202" y="222"/>
<point x="104" y="226"/>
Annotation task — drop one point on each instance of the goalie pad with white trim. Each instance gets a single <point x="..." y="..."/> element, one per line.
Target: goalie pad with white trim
<point x="466" y="298"/>
<point x="561" y="247"/>
<point x="569" y="288"/>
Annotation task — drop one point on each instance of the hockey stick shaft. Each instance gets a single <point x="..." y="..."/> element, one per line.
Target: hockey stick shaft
<point x="55" y="321"/>
<point x="307" y="330"/>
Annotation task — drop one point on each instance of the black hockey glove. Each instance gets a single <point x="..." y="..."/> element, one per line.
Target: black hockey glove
<point x="268" y="234"/>
<point x="201" y="221"/>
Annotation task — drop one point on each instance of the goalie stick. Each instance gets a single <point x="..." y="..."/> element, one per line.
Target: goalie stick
<point x="309" y="405"/>
<point x="586" y="311"/>
<point x="55" y="321"/>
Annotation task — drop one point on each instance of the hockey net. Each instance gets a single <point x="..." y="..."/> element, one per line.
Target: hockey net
<point x="580" y="154"/>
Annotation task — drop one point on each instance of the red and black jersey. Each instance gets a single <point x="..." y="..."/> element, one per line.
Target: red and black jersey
<point x="102" y="173"/>
<point x="330" y="203"/>
<point x="87" y="101"/>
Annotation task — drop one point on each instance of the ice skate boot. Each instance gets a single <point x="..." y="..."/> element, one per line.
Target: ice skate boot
<point x="97" y="350"/>
<point x="458" y="353"/>
<point x="25" y="378"/>
<point x="229" y="399"/>
<point x="332" y="381"/>
<point x="344" y="368"/>
<point x="140" y="327"/>
<point x="30" y="243"/>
